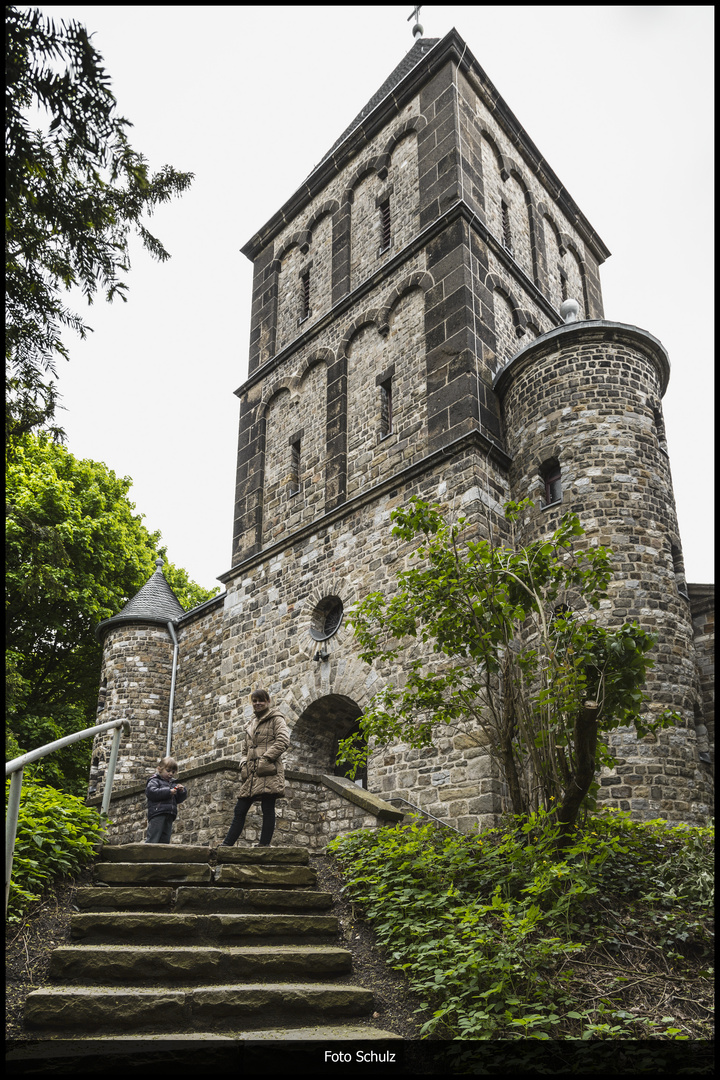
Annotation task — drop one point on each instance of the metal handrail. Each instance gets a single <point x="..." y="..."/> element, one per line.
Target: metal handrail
<point x="425" y="814"/>
<point x="14" y="769"/>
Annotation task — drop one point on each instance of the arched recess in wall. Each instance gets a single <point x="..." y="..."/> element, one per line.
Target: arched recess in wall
<point x="412" y="126"/>
<point x="554" y="252"/>
<point x="362" y="228"/>
<point x="509" y="320"/>
<point x="525" y="241"/>
<point x="576" y="278"/>
<point x="315" y="234"/>
<point x="288" y="267"/>
<point x="326" y="703"/>
<point x="398" y="379"/>
<point x="337" y="426"/>
<point x="494" y="172"/>
<point x="421" y="279"/>
<point x="319" y="729"/>
<point x="531" y="326"/>
<point x="276" y="403"/>
<point x="296" y="386"/>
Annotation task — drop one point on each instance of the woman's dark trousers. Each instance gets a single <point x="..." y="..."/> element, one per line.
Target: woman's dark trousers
<point x="242" y="806"/>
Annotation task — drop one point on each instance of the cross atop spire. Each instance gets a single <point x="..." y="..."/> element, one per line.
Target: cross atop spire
<point x="417" y="28"/>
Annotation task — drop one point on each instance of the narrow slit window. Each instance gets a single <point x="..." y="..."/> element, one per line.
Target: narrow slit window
<point x="551" y="476"/>
<point x="679" y="570"/>
<point x="386" y="408"/>
<point x="660" y="430"/>
<point x="385" y="225"/>
<point x="294" y="485"/>
<point x="563" y="285"/>
<point x="304" y="295"/>
<point x="507" y="235"/>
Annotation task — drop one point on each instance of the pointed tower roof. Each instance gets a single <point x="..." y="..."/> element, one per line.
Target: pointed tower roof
<point x="154" y="603"/>
<point x="421" y="48"/>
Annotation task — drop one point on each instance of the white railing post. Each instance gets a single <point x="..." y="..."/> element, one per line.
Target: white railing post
<point x="110" y="774"/>
<point x="14" y="769"/>
<point x="11" y="828"/>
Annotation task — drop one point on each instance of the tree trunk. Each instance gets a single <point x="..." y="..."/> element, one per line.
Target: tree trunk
<point x="586" y="729"/>
<point x="507" y="760"/>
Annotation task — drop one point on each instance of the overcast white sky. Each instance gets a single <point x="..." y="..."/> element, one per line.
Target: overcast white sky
<point x="617" y="98"/>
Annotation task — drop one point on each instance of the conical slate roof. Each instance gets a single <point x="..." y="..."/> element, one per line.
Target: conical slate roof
<point x="155" y="603"/>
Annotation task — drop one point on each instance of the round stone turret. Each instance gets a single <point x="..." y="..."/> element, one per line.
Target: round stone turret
<point x="583" y="424"/>
<point x="137" y="674"/>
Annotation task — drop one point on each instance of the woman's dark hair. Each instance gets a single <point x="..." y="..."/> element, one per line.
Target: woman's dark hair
<point x="259" y="695"/>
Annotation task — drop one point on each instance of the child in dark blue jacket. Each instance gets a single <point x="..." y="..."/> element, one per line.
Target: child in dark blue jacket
<point x="163" y="795"/>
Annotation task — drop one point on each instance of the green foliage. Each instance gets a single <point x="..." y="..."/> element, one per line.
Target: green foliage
<point x="75" y="554"/>
<point x="73" y="194"/>
<point x="487" y="636"/>
<point x="489" y="927"/>
<point x="56" y="837"/>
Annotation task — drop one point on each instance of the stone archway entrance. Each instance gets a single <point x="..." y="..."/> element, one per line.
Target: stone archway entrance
<point x="317" y="732"/>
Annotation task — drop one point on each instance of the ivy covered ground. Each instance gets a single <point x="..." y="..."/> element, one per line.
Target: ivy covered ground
<point x="505" y="936"/>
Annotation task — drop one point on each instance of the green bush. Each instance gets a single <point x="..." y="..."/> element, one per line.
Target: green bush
<point x="487" y="926"/>
<point x="56" y="837"/>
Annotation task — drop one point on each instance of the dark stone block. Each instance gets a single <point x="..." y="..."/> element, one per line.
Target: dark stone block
<point x="451" y="394"/>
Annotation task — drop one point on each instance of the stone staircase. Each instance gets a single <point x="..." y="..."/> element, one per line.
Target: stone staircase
<point x="178" y="942"/>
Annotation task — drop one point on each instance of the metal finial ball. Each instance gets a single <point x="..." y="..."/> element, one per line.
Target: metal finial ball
<point x="569" y="310"/>
<point x="418" y="30"/>
<point x="159" y="563"/>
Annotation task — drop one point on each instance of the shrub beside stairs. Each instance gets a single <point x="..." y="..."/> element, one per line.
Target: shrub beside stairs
<point x="177" y="942"/>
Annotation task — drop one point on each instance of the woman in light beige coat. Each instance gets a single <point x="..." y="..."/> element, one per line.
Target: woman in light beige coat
<point x="261" y="768"/>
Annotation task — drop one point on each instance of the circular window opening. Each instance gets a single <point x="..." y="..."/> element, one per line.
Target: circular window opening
<point x="326" y="618"/>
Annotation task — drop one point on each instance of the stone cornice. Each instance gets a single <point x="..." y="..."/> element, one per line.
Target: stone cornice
<point x="581" y="333"/>
<point x="458" y="209"/>
<point x="473" y="439"/>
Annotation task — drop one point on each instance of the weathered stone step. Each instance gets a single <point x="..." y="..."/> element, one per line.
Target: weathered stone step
<point x="134" y="927"/>
<point x="198" y="898"/>
<point x="179" y="873"/>
<point x="239" y="874"/>
<point x="103" y="964"/>
<point x="81" y="1045"/>
<point x="241" y="900"/>
<point x="99" y="1009"/>
<point x="183" y="853"/>
<point x="277" y="856"/>
<point x="168" y="873"/>
<point x="197" y="853"/>
<point x="124" y="898"/>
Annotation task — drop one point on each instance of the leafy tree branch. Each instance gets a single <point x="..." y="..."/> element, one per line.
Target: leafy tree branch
<point x="74" y="194"/>
<point x="505" y="638"/>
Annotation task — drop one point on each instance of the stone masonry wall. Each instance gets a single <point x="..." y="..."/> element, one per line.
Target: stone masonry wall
<point x="309" y="816"/>
<point x="535" y="229"/>
<point x="136" y="671"/>
<point x="268" y="616"/>
<point x="386" y="167"/>
<point x="702" y="605"/>
<point x="588" y="400"/>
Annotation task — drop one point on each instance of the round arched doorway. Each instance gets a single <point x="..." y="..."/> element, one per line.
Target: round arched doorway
<point x="319" y="729"/>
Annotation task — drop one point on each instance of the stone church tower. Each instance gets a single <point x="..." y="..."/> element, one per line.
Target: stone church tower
<point x="427" y="320"/>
